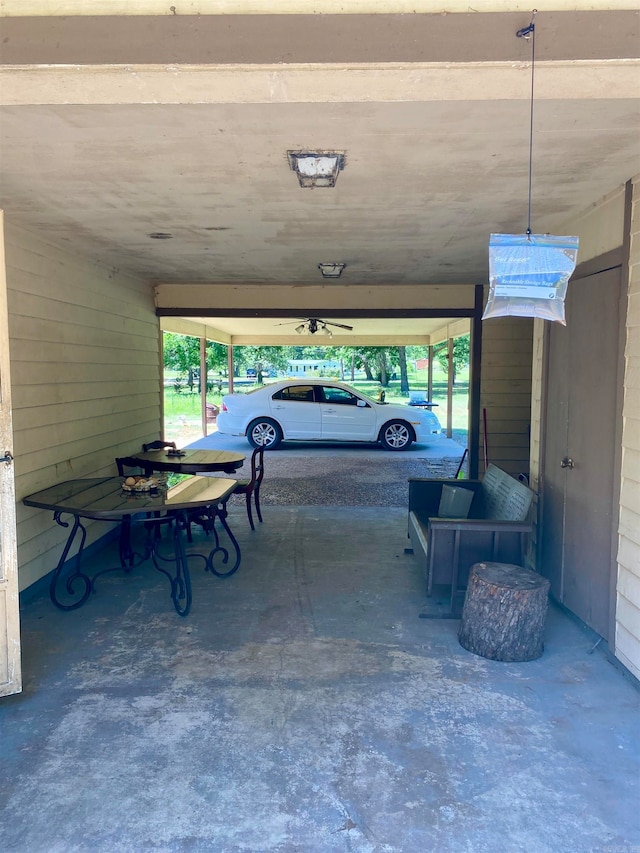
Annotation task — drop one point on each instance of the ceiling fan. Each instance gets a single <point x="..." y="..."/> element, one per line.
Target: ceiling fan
<point x="311" y="325"/>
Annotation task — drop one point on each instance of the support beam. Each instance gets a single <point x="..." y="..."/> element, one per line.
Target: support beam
<point x="203" y="383"/>
<point x="450" y="376"/>
<point x="474" y="383"/>
<point x="230" y="367"/>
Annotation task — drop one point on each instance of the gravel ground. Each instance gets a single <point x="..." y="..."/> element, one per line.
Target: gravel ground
<point x="343" y="480"/>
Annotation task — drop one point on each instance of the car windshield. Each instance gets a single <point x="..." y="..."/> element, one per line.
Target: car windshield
<point x="365" y="396"/>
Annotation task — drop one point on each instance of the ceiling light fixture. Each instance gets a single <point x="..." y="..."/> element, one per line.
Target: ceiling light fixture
<point x="313" y="325"/>
<point x="316" y="168"/>
<point x="331" y="270"/>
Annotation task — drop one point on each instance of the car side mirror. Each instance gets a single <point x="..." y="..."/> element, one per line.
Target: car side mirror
<point x="361" y="404"/>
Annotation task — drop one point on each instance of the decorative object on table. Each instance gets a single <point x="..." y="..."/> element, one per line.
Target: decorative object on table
<point x="252" y="486"/>
<point x="529" y="273"/>
<point x="140" y="483"/>
<point x="159" y="444"/>
<point x="504" y="612"/>
<point x="175" y="453"/>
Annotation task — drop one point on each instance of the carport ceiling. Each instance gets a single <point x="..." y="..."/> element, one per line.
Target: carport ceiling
<point x="423" y="187"/>
<point x="99" y="153"/>
<point x="280" y="331"/>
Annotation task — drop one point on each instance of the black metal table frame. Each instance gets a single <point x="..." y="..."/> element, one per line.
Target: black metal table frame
<point x="80" y="585"/>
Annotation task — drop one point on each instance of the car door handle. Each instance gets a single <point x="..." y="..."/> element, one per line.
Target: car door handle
<point x="329" y="411"/>
<point x="278" y="408"/>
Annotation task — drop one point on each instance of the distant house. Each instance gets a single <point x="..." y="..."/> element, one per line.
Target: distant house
<point x="422" y="364"/>
<point x="311" y="366"/>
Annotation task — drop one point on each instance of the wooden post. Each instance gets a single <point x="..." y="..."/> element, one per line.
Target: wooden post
<point x="450" y="388"/>
<point x="504" y="612"/>
<point x="203" y="384"/>
<point x="230" y="367"/>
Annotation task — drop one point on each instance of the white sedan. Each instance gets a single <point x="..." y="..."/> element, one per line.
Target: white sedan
<point x="316" y="409"/>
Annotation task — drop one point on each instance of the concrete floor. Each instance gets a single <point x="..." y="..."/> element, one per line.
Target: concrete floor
<point x="303" y="707"/>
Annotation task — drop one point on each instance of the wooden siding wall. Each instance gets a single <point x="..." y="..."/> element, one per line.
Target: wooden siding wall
<point x="505" y="392"/>
<point x="536" y="404"/>
<point x="84" y="348"/>
<point x="628" y="589"/>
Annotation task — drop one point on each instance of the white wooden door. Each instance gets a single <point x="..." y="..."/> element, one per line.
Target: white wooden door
<point x="10" y="668"/>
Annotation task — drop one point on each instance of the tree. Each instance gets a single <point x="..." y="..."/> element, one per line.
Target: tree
<point x="460" y="355"/>
<point x="182" y="353"/>
<point x="404" y="378"/>
<point x="259" y="358"/>
<point x="377" y="362"/>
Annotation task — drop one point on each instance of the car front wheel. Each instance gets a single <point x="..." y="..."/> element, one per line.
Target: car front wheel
<point x="396" y="435"/>
<point x="263" y="432"/>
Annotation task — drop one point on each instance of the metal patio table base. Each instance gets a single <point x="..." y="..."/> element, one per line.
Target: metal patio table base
<point x="207" y="520"/>
<point x="103" y="499"/>
<point x="80" y="585"/>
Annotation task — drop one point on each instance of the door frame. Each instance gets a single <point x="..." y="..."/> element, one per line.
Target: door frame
<point x="9" y="594"/>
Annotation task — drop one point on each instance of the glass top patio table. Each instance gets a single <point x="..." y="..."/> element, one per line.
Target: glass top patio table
<point x="104" y="499"/>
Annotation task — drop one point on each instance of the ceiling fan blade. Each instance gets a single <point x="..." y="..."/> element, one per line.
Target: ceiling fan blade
<point x="314" y="323"/>
<point x="339" y="325"/>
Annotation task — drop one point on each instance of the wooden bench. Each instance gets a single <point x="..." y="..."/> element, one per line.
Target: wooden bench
<point x="495" y="529"/>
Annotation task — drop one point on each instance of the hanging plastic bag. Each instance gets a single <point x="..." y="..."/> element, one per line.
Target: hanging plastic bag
<point x="528" y="275"/>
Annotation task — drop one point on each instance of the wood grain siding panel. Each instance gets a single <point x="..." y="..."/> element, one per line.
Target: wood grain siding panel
<point x="627" y="644"/>
<point x="505" y="391"/>
<point x="84" y="355"/>
<point x="536" y="403"/>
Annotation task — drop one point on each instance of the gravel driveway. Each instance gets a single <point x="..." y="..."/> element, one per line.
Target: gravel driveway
<point x="344" y="480"/>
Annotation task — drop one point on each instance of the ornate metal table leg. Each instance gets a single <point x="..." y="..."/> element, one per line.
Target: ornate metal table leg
<point x="181" y="581"/>
<point x="76" y="575"/>
<point x="221" y="513"/>
<point x="130" y="559"/>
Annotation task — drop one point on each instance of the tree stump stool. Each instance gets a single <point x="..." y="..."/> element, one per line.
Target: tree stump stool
<point x="504" y="612"/>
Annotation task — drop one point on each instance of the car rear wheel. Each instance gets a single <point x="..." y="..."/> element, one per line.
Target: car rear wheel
<point x="263" y="432"/>
<point x="396" y="435"/>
